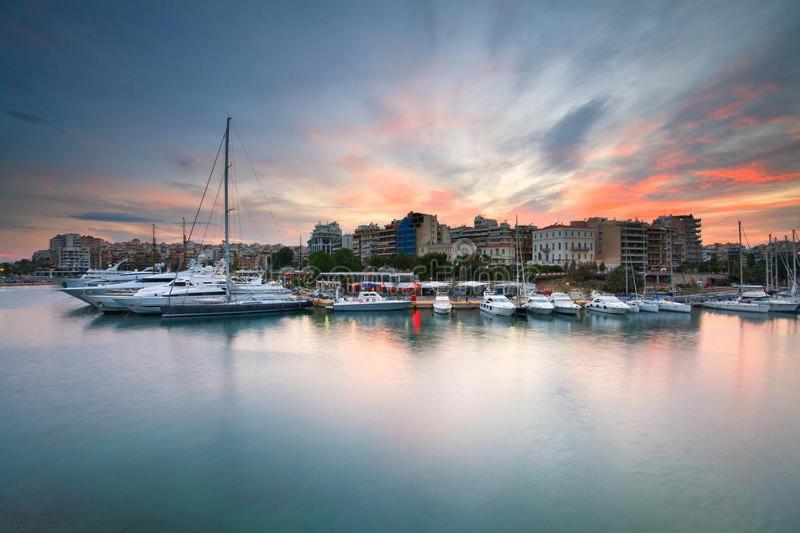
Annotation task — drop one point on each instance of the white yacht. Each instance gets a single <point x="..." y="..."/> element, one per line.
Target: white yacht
<point x="538" y="304"/>
<point x="736" y="305"/>
<point x="672" y="306"/>
<point x="563" y="304"/>
<point x="607" y="303"/>
<point x="148" y="301"/>
<point x="645" y="305"/>
<point x="497" y="304"/>
<point x="774" y="304"/>
<point x="442" y="305"/>
<point x="88" y="293"/>
<point x="109" y="275"/>
<point x="370" y="301"/>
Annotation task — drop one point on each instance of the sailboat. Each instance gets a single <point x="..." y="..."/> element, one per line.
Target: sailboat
<point x="670" y="304"/>
<point x="225" y="305"/>
<point x="643" y="304"/>
<point x="739" y="304"/>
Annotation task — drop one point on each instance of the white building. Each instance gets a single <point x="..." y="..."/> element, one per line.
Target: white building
<point x="325" y="237"/>
<point x="561" y="245"/>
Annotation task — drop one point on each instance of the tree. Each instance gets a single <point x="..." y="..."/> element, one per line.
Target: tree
<point x="615" y="280"/>
<point x="282" y="258"/>
<point x="322" y="261"/>
<point x="582" y="272"/>
<point x="345" y="259"/>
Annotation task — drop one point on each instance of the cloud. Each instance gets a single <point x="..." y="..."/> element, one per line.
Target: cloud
<point x="562" y="143"/>
<point x="100" y="216"/>
<point x="32" y="119"/>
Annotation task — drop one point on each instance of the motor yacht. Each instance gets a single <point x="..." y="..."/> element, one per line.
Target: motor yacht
<point x="538" y="304"/>
<point x="370" y="301"/>
<point x="497" y="304"/>
<point x="109" y="275"/>
<point x="563" y="304"/>
<point x="442" y="305"/>
<point x="607" y="303"/>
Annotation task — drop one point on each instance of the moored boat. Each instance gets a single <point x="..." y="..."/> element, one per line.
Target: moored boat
<point x="607" y="303"/>
<point x="370" y="301"/>
<point x="442" y="305"/>
<point x="497" y="304"/>
<point x="563" y="304"/>
<point x="538" y="304"/>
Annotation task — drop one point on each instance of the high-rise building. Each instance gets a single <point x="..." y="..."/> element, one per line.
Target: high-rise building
<point x="420" y="233"/>
<point x="325" y="237"/>
<point x="657" y="239"/>
<point x="365" y="240"/>
<point x="619" y="242"/>
<point x="686" y="237"/>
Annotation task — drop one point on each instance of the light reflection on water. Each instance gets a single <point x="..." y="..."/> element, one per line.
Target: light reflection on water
<point x="396" y="421"/>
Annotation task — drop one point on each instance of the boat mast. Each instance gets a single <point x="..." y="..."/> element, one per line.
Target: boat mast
<point x="767" y="263"/>
<point x="794" y="263"/>
<point x="741" y="255"/>
<point x="227" y="246"/>
<point x="154" y="248"/>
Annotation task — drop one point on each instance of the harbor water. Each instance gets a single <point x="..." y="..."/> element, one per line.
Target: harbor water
<point x="402" y="421"/>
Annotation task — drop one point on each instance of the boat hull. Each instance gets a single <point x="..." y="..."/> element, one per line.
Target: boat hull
<point x="737" y="307"/>
<point x="499" y="311"/>
<point x="442" y="309"/>
<point x="607" y="310"/>
<point x="535" y="310"/>
<point x="371" y="306"/>
<point x="571" y="309"/>
<point x="230" y="309"/>
<point x="674" y="307"/>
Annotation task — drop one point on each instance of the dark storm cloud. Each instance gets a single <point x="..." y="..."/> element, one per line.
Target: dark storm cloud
<point x="562" y="143"/>
<point x="112" y="217"/>
<point x="32" y="119"/>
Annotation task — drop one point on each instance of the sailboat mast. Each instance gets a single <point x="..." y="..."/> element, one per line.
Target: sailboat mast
<point x="227" y="246"/>
<point x="741" y="256"/>
<point x="154" y="248"/>
<point x="767" y="263"/>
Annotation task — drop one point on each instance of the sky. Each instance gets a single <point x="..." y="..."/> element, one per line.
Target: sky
<point x="360" y="112"/>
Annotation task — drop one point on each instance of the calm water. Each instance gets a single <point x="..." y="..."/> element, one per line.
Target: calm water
<point x="403" y="422"/>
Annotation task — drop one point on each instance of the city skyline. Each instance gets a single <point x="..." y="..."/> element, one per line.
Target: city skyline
<point x="113" y="114"/>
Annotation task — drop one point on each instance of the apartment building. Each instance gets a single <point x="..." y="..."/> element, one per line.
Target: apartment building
<point x="620" y="242"/>
<point x="561" y="244"/>
<point x="325" y="237"/>
<point x="686" y="237"/>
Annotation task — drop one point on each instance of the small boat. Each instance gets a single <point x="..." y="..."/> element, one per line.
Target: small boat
<point x="563" y="304"/>
<point x="370" y="301"/>
<point x="607" y="303"/>
<point x="442" y="305"/>
<point x="538" y="304"/>
<point x="497" y="304"/>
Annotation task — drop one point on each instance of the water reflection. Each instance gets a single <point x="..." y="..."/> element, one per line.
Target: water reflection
<point x="686" y="420"/>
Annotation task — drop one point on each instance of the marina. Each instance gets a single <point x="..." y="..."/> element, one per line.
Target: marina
<point x="387" y="414"/>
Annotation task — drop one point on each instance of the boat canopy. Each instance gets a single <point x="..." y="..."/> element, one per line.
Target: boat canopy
<point x="433" y="284"/>
<point x="472" y="284"/>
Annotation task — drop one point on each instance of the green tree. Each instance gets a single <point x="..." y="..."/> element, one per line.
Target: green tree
<point x="582" y="272"/>
<point x="282" y="258"/>
<point x="322" y="261"/>
<point x="345" y="259"/>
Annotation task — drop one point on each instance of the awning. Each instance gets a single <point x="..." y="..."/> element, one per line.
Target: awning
<point x="433" y="284"/>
